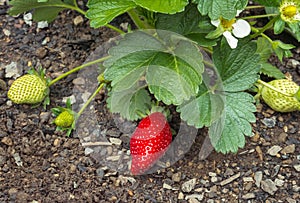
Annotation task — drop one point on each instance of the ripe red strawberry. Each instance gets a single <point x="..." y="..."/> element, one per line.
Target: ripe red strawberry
<point x="149" y="142"/>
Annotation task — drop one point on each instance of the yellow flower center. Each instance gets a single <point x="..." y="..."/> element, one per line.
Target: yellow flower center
<point x="289" y="11"/>
<point x="227" y="24"/>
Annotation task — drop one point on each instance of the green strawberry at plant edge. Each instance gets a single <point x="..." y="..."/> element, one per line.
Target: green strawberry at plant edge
<point x="278" y="101"/>
<point x="28" y="89"/>
<point x="64" y="119"/>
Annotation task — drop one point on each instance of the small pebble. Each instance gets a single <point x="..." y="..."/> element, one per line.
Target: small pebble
<point x="189" y="185"/>
<point x="176" y="177"/>
<point x="249" y="196"/>
<point x="78" y="20"/>
<point x="88" y="151"/>
<point x="198" y="197"/>
<point x="269" y="186"/>
<point x="258" y="178"/>
<point x="180" y="196"/>
<point x="279" y="182"/>
<point x="282" y="137"/>
<point x="297" y="167"/>
<point x="41" y="52"/>
<point x="269" y="122"/>
<point x="79" y="81"/>
<point x="273" y="151"/>
<point x="290" y="149"/>
<point x="290" y="200"/>
<point x="7" y="141"/>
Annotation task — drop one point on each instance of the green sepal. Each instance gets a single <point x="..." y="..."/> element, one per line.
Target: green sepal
<point x="279" y="26"/>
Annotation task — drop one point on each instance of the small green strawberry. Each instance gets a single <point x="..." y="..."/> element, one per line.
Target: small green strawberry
<point x="279" y="101"/>
<point x="28" y="89"/>
<point x="64" y="119"/>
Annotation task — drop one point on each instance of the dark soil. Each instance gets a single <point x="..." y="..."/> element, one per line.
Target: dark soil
<point x="39" y="164"/>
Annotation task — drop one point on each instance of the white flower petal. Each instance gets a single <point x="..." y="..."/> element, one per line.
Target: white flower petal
<point x="238" y="12"/>
<point x="232" y="41"/>
<point x="241" y="28"/>
<point x="216" y="22"/>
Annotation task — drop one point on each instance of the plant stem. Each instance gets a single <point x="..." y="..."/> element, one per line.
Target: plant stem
<point x="254" y="7"/>
<point x="77" y="69"/>
<point x="90" y="99"/>
<point x="267" y="26"/>
<point x="137" y="21"/>
<point x="274" y="88"/>
<point x="259" y="16"/>
<point x="115" y="28"/>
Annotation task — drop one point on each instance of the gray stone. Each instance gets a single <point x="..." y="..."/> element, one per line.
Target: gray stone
<point x="258" y="177"/>
<point x="249" y="196"/>
<point x="290" y="149"/>
<point x="176" y="177"/>
<point x="189" y="185"/>
<point x="269" y="186"/>
<point x="297" y="167"/>
<point x="273" y="151"/>
<point x="269" y="122"/>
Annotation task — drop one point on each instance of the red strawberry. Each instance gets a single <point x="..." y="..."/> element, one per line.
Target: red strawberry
<point x="149" y="142"/>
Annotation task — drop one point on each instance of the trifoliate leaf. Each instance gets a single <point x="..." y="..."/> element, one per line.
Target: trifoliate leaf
<point x="134" y="102"/>
<point x="169" y="64"/>
<point x="42" y="10"/>
<point x="237" y="67"/>
<point x="163" y="6"/>
<point x="220" y="8"/>
<point x="102" y="12"/>
<point x="227" y="133"/>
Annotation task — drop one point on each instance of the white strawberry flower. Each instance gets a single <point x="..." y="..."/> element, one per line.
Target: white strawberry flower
<point x="233" y="29"/>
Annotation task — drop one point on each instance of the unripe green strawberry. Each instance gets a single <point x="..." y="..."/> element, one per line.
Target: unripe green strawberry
<point x="64" y="119"/>
<point x="278" y="101"/>
<point x="29" y="89"/>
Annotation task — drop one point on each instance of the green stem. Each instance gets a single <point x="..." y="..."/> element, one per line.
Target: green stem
<point x="262" y="34"/>
<point x="274" y="88"/>
<point x="267" y="26"/>
<point x="115" y="28"/>
<point x="254" y="7"/>
<point x="90" y="99"/>
<point x="259" y="16"/>
<point x="136" y="19"/>
<point x="77" y="69"/>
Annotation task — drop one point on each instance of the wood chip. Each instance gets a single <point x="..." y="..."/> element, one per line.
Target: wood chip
<point x="229" y="180"/>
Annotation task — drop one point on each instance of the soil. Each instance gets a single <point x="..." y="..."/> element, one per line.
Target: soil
<point x="40" y="164"/>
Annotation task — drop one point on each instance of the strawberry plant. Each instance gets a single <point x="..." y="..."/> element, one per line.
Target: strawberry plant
<point x="203" y="57"/>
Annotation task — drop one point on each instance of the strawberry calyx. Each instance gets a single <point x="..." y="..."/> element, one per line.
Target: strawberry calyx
<point x="65" y="118"/>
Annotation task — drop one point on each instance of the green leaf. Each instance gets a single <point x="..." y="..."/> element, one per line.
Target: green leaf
<point x="189" y="23"/>
<point x="42" y="11"/>
<point x="264" y="49"/>
<point x="102" y="12"/>
<point x="220" y="8"/>
<point x="134" y="102"/>
<point x="272" y="3"/>
<point x="271" y="71"/>
<point x="237" y="67"/>
<point x="227" y="133"/>
<point x="169" y="64"/>
<point x="202" y="110"/>
<point x="163" y="6"/>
